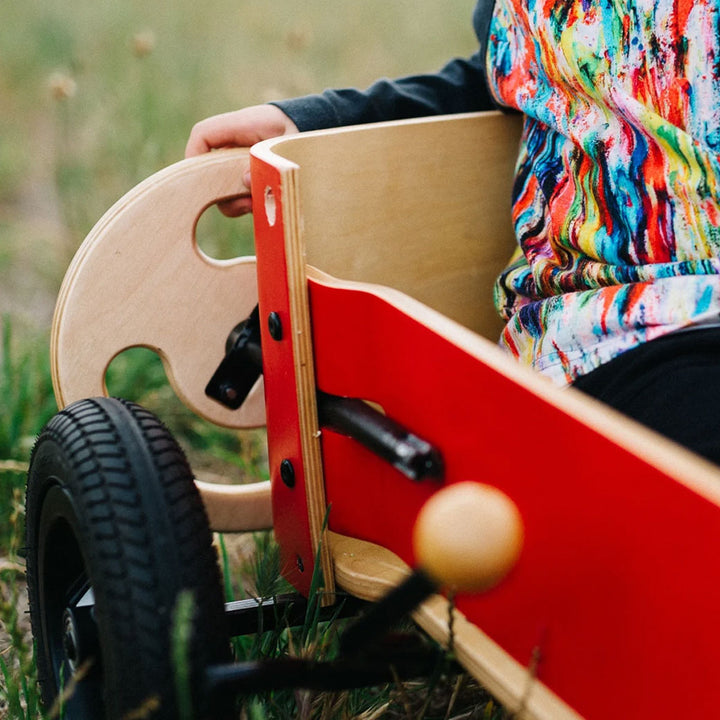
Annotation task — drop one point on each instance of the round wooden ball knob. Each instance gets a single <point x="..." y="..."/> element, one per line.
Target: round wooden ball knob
<point x="468" y="536"/>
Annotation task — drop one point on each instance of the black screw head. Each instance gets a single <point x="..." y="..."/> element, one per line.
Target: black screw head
<point x="275" y="326"/>
<point x="287" y="473"/>
<point x="228" y="393"/>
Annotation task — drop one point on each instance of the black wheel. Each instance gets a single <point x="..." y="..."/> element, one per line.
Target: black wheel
<point x="117" y="539"/>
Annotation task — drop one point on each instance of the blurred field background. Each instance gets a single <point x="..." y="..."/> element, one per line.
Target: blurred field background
<point x="94" y="97"/>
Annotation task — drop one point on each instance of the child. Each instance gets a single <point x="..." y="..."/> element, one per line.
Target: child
<point x="614" y="286"/>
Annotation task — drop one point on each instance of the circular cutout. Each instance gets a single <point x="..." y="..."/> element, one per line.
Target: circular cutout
<point x="224" y="238"/>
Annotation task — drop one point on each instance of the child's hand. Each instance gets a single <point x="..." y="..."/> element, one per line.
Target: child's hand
<point x="241" y="128"/>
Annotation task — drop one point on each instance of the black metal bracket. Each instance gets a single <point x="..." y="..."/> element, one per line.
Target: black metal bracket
<point x="241" y="367"/>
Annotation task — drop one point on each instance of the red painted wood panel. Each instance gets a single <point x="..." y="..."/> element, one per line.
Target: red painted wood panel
<point x="618" y="583"/>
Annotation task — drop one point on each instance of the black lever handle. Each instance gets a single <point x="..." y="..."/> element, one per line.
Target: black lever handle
<point x="412" y="456"/>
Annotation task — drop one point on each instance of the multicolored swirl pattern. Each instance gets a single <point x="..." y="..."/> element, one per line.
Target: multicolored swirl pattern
<point x="617" y="198"/>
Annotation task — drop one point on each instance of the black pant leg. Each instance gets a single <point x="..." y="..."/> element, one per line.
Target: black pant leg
<point x="671" y="384"/>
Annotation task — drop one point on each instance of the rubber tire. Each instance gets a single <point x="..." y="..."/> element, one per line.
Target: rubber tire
<point x="111" y="500"/>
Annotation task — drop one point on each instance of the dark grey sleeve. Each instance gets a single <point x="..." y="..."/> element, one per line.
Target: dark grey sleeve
<point x="459" y="87"/>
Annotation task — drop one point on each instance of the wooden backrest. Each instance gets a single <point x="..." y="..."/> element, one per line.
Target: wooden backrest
<point x="421" y="206"/>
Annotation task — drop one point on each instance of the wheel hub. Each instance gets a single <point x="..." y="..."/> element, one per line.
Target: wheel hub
<point x="79" y="636"/>
<point x="71" y="640"/>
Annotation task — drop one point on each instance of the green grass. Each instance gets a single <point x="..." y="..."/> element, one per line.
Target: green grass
<point x="27" y="404"/>
<point x="96" y="96"/>
<point x="444" y="695"/>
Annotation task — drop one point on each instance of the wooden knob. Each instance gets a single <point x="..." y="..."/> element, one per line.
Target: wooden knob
<point x="468" y="536"/>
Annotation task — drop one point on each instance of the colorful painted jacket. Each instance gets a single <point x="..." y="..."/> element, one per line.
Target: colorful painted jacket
<point x="616" y="202"/>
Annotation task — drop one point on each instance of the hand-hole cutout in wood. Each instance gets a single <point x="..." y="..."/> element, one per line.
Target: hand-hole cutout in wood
<point x="224" y="238"/>
<point x="216" y="454"/>
<point x="139" y="279"/>
<point x="270" y="206"/>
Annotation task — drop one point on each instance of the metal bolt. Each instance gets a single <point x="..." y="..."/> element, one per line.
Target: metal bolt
<point x="228" y="392"/>
<point x="275" y="326"/>
<point x="287" y="473"/>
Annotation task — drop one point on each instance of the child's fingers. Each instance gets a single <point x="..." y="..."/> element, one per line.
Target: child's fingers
<point x="240" y="128"/>
<point x="235" y="207"/>
<point x="211" y="134"/>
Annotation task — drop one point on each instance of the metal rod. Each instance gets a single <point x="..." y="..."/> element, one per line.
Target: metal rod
<point x="388" y="611"/>
<point x="251" y="616"/>
<point x="280" y="673"/>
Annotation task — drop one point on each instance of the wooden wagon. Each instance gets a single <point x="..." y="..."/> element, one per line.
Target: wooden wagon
<point x="382" y="386"/>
